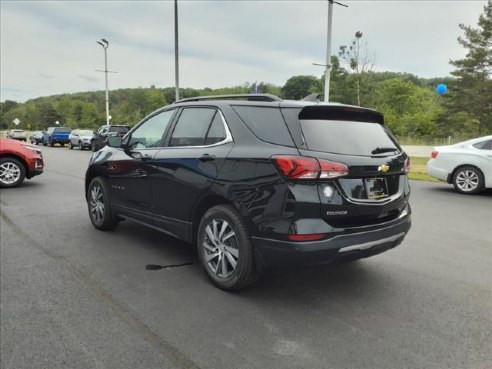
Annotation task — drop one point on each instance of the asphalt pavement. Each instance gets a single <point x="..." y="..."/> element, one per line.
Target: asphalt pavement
<point x="75" y="297"/>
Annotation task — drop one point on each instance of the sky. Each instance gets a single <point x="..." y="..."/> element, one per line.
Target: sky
<point x="49" y="47"/>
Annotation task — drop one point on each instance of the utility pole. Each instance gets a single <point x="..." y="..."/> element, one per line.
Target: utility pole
<point x="328" y="51"/>
<point x="327" y="65"/>
<point x="105" y="45"/>
<point x="176" y="48"/>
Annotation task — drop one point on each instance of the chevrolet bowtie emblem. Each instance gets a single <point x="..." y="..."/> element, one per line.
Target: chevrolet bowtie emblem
<point x="383" y="168"/>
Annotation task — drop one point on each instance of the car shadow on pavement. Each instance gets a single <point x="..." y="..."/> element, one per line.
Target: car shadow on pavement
<point x="486" y="193"/>
<point x="309" y="282"/>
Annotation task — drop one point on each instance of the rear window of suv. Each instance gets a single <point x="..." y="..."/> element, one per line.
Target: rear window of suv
<point x="62" y="130"/>
<point x="346" y="137"/>
<point x="120" y="129"/>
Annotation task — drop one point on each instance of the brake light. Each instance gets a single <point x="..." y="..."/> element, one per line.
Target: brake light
<point x="306" y="237"/>
<point x="408" y="165"/>
<point x="300" y="167"/>
<point x="297" y="167"/>
<point x="434" y="154"/>
<point x="332" y="169"/>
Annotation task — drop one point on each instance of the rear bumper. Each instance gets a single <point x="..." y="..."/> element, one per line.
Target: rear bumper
<point x="434" y="171"/>
<point x="342" y="246"/>
<point x="59" y="141"/>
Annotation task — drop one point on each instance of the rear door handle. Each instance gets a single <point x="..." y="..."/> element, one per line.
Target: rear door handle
<point x="207" y="157"/>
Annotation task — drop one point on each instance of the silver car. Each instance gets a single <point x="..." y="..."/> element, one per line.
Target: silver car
<point x="17" y="134"/>
<point x="81" y="138"/>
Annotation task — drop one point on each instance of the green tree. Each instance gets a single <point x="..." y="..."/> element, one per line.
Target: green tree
<point x="298" y="87"/>
<point x="409" y="110"/>
<point x="360" y="60"/>
<point x="471" y="92"/>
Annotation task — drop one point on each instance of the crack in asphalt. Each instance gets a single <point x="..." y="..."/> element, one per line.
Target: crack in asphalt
<point x="163" y="347"/>
<point x="159" y="267"/>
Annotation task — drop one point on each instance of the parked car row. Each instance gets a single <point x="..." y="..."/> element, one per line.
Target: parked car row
<point x="79" y="138"/>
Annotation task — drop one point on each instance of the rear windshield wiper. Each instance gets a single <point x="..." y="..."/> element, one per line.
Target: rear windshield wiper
<point x="380" y="150"/>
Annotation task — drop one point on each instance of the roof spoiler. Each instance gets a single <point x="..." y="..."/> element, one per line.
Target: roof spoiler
<point x="341" y="112"/>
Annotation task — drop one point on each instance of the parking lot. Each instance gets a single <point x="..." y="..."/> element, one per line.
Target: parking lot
<point x="74" y="297"/>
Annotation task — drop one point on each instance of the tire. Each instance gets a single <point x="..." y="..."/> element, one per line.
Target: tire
<point x="52" y="144"/>
<point x="230" y="245"/>
<point x="70" y="146"/>
<point x="468" y="180"/>
<point x="93" y="147"/>
<point x="12" y="172"/>
<point x="98" y="205"/>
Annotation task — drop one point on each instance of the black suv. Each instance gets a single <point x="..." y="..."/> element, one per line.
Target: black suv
<point x="102" y="134"/>
<point x="257" y="182"/>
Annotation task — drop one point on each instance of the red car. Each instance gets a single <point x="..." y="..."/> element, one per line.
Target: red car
<point x="18" y="160"/>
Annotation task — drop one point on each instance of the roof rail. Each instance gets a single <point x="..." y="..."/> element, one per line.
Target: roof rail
<point x="247" y="97"/>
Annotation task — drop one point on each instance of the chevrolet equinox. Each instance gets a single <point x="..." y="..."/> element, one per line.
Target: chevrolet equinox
<point x="254" y="181"/>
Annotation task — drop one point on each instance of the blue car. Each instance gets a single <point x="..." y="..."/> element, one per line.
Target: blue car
<point x="56" y="135"/>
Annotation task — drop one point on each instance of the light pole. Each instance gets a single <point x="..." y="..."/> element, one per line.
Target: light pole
<point x="327" y="65"/>
<point x="328" y="51"/>
<point x="105" y="45"/>
<point x="176" y="48"/>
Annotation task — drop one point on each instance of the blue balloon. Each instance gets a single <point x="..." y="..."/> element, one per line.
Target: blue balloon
<point x="441" y="89"/>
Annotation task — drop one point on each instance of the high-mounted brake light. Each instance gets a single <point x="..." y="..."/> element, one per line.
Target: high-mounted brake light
<point x="434" y="154"/>
<point x="300" y="167"/>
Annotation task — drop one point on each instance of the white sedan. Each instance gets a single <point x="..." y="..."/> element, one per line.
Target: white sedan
<point x="467" y="165"/>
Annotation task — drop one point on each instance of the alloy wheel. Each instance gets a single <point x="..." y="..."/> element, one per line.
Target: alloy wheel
<point x="96" y="204"/>
<point x="221" y="248"/>
<point x="9" y="173"/>
<point x="467" y="180"/>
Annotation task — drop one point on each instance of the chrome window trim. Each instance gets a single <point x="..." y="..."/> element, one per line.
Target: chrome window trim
<point x="227" y="140"/>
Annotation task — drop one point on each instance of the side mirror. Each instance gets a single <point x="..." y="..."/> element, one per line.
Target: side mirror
<point x="114" y="141"/>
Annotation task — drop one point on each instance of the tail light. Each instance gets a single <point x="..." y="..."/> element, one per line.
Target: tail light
<point x="408" y="165"/>
<point x="331" y="169"/>
<point x="434" y="154"/>
<point x="300" y="167"/>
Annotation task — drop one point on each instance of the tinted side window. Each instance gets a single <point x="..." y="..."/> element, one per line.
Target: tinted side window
<point x="216" y="132"/>
<point x="266" y="123"/>
<point x="192" y="126"/>
<point x="150" y="133"/>
<point x="484" y="145"/>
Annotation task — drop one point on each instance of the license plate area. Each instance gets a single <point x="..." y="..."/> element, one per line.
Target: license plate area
<point x="376" y="188"/>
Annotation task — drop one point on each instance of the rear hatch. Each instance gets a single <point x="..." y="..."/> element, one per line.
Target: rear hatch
<point x="365" y="178"/>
